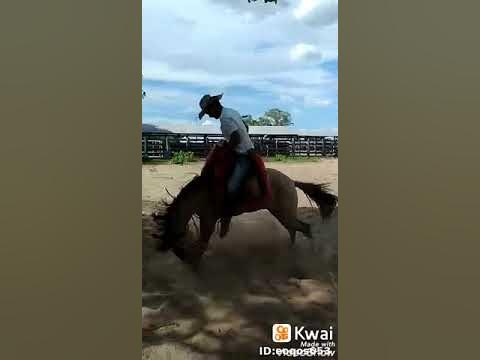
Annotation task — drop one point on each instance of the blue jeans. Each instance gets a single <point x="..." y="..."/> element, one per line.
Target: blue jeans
<point x="240" y="171"/>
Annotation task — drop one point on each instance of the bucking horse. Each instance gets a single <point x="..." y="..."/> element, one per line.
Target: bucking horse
<point x="264" y="188"/>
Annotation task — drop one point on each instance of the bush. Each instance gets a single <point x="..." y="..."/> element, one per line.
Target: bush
<point x="182" y="157"/>
<point x="280" y="157"/>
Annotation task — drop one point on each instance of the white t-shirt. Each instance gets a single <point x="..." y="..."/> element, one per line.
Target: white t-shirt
<point x="230" y="121"/>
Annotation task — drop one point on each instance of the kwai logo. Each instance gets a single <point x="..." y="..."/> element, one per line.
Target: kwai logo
<point x="282" y="333"/>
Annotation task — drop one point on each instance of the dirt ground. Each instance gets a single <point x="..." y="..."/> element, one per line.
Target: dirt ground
<point x="248" y="281"/>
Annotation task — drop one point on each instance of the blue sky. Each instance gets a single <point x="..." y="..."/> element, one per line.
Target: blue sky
<point x="261" y="56"/>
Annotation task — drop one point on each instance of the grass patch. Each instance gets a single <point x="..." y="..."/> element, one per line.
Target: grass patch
<point x="280" y="157"/>
<point x="182" y="157"/>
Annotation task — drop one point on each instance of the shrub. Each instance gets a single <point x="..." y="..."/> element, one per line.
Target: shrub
<point x="182" y="157"/>
<point x="280" y="157"/>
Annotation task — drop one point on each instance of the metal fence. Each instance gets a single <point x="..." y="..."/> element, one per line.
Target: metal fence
<point x="163" y="145"/>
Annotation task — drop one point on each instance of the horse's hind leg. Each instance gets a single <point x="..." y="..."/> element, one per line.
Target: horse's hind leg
<point x="305" y="228"/>
<point x="292" y="224"/>
<point x="302" y="227"/>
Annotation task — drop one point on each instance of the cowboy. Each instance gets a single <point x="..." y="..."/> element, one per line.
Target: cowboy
<point x="235" y="133"/>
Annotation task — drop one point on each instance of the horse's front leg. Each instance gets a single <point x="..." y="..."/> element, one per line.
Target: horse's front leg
<point x="207" y="226"/>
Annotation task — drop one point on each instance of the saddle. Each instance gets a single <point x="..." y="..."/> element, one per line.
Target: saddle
<point x="218" y="167"/>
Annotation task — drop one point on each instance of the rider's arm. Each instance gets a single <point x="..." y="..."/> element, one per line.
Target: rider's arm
<point x="234" y="139"/>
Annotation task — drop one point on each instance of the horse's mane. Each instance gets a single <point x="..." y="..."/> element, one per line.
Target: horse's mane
<point x="165" y="217"/>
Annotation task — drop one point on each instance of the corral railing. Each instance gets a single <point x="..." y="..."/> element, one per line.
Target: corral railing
<point x="163" y="145"/>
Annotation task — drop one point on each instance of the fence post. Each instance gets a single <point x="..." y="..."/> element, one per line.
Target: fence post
<point x="144" y="148"/>
<point x="323" y="146"/>
<point x="167" y="148"/>
<point x="308" y="147"/>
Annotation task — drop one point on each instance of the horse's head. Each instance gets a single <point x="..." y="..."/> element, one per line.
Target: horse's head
<point x="172" y="219"/>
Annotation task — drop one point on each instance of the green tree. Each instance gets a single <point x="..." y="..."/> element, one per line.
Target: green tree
<point x="276" y="117"/>
<point x="273" y="117"/>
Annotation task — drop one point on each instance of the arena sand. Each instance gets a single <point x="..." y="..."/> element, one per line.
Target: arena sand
<point x="248" y="281"/>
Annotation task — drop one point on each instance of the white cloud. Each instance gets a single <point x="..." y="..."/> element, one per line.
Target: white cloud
<point x="291" y="85"/>
<point x="194" y="50"/>
<point x="319" y="102"/>
<point x="304" y="51"/>
<point x="215" y="44"/>
<point x="304" y="8"/>
<point x="317" y="12"/>
<point x="208" y="122"/>
<point x="286" y="98"/>
<point x="183" y="100"/>
<point x="258" y="9"/>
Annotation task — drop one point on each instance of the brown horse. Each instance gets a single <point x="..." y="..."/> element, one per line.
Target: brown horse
<point x="198" y="197"/>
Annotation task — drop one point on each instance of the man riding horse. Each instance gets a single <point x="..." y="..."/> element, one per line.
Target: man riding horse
<point x="234" y="180"/>
<point x="235" y="133"/>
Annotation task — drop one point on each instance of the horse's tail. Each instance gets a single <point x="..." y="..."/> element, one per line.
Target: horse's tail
<point x="320" y="195"/>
